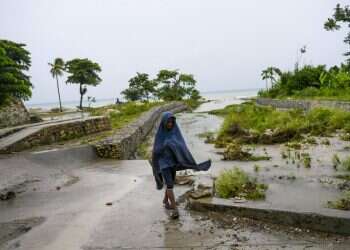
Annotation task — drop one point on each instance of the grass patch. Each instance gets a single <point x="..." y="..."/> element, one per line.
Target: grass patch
<point x="193" y="104"/>
<point x="294" y="145"/>
<point x="250" y="123"/>
<point x="236" y="183"/>
<point x="336" y="161"/>
<point x="234" y="151"/>
<point x="345" y="177"/>
<point x="345" y="137"/>
<point x="310" y="140"/>
<point x="122" y="114"/>
<point x="306" y="159"/>
<point x="346" y="163"/>
<point x="256" y="168"/>
<point x="343" y="203"/>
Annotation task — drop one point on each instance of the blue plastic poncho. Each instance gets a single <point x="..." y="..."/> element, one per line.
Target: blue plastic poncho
<point x="170" y="150"/>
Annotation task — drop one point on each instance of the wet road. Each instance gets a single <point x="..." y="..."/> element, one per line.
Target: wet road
<point x="66" y="207"/>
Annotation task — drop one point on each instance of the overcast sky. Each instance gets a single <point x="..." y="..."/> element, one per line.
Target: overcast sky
<point x="224" y="43"/>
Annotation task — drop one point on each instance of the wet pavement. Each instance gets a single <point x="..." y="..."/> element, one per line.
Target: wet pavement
<point x="80" y="202"/>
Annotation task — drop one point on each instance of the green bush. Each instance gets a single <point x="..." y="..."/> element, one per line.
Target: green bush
<point x="236" y="183"/>
<point x="312" y="82"/>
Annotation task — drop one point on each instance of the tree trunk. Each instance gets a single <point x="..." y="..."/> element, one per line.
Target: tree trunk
<point x="59" y="94"/>
<point x="81" y="97"/>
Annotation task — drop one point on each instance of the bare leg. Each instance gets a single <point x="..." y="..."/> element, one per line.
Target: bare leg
<point x="165" y="200"/>
<point x="171" y="197"/>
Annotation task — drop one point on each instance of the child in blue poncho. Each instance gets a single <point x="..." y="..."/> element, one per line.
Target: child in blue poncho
<point x="170" y="154"/>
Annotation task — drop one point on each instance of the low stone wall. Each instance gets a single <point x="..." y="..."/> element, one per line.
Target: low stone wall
<point x="303" y="104"/>
<point x="14" y="114"/>
<point x="51" y="133"/>
<point x="330" y="223"/>
<point x="124" y="142"/>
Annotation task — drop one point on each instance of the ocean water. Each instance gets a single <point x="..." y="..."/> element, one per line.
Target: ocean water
<point x="219" y="98"/>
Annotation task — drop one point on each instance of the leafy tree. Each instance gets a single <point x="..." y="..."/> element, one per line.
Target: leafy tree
<point x="14" y="61"/>
<point x="57" y="68"/>
<point x="194" y="95"/>
<point x="132" y="94"/>
<point x="174" y="85"/>
<point x="83" y="72"/>
<point x="340" y="15"/>
<point x="140" y="88"/>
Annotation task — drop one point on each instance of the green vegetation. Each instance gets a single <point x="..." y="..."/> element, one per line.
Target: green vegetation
<point x="345" y="137"/>
<point x="143" y="150"/>
<point x="256" y="168"/>
<point x="306" y="159"/>
<point x="169" y="85"/>
<point x="176" y="86"/>
<point x="249" y="123"/>
<point x="336" y="161"/>
<point x="234" y="151"/>
<point x="343" y="203"/>
<point x="294" y="145"/>
<point x="236" y="183"/>
<point x="140" y="88"/>
<point x="270" y="74"/>
<point x="341" y="15"/>
<point x="345" y="177"/>
<point x="310" y="140"/>
<point x="122" y="114"/>
<point x="14" y="62"/>
<point x="57" y="69"/>
<point x="326" y="141"/>
<point x="312" y="82"/>
<point x="83" y="72"/>
<point x="209" y="136"/>
<point x="346" y="163"/>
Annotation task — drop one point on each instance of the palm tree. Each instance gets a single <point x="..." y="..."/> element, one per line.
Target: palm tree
<point x="57" y="68"/>
<point x="266" y="75"/>
<point x="269" y="74"/>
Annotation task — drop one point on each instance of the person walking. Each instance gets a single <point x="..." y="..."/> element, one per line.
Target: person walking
<point x="170" y="154"/>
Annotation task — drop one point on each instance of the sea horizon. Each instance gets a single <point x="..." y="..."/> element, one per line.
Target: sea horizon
<point x="209" y="95"/>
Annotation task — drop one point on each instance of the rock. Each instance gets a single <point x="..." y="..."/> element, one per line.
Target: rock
<point x="7" y="195"/>
<point x="184" y="180"/>
<point x="200" y="193"/>
<point x="238" y="200"/>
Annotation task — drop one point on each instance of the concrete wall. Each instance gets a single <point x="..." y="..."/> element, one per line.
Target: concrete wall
<point x="14" y="114"/>
<point x="47" y="134"/>
<point x="303" y="104"/>
<point x="123" y="144"/>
